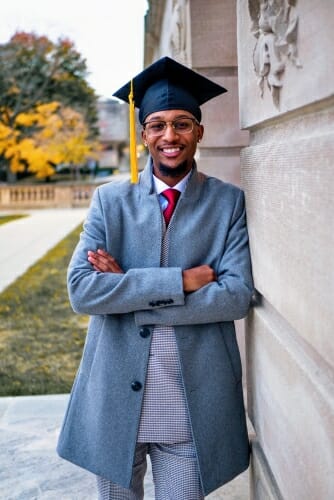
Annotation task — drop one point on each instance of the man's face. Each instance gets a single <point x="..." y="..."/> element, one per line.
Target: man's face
<point x="172" y="152"/>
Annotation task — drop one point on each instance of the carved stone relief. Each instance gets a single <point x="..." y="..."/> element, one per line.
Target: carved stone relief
<point x="275" y="24"/>
<point x="179" y="25"/>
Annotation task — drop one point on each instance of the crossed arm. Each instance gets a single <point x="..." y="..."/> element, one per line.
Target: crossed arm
<point x="159" y="295"/>
<point x="193" y="279"/>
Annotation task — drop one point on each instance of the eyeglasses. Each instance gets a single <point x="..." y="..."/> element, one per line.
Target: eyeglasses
<point x="180" y="126"/>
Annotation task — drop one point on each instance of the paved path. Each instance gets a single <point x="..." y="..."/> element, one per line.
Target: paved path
<point x="24" y="241"/>
<point x="29" y="466"/>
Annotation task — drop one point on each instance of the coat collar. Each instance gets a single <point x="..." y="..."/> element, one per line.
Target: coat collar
<point x="192" y="189"/>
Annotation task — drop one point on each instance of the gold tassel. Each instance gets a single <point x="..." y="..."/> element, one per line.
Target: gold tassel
<point x="133" y="144"/>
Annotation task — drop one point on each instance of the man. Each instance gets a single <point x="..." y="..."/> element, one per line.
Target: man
<point x="161" y="372"/>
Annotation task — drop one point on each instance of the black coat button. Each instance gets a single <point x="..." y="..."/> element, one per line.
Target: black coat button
<point x="144" y="332"/>
<point x="136" y="386"/>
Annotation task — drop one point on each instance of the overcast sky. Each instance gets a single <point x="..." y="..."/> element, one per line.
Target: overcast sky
<point x="109" y="34"/>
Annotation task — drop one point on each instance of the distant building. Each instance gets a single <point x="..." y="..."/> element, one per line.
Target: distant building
<point x="113" y="123"/>
<point x="114" y="131"/>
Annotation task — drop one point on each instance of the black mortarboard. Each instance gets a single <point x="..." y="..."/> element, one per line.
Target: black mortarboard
<point x="167" y="84"/>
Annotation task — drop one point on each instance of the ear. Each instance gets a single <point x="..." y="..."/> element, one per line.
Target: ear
<point x="144" y="137"/>
<point x="200" y="133"/>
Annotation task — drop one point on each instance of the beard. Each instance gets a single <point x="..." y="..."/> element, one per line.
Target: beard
<point x="173" y="171"/>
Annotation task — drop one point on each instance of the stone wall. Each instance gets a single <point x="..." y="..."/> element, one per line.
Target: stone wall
<point x="45" y="196"/>
<point x="286" y="75"/>
<point x="214" y="54"/>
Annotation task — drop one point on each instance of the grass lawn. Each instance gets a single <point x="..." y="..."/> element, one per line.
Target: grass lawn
<point x="41" y="338"/>
<point x="8" y="218"/>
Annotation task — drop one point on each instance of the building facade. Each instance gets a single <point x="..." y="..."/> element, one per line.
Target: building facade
<point x="203" y="37"/>
<point x="273" y="134"/>
<point x="113" y="132"/>
<point x="113" y="124"/>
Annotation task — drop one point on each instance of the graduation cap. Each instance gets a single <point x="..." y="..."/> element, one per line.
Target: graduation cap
<point x="164" y="85"/>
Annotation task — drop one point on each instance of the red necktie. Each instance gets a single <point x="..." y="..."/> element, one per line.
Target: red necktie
<point x="172" y="195"/>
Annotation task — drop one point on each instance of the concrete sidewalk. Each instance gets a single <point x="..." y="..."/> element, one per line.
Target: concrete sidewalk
<point x="24" y="241"/>
<point x="30" y="468"/>
<point x="29" y="425"/>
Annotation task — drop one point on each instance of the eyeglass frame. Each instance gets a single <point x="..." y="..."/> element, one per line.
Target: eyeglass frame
<point x="171" y="123"/>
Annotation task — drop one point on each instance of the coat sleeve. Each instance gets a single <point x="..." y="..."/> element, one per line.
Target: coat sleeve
<point x="92" y="292"/>
<point x="228" y="298"/>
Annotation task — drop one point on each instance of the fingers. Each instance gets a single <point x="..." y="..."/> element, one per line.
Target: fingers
<point x="103" y="262"/>
<point x="196" y="277"/>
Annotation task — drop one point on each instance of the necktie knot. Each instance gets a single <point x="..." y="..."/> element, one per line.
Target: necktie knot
<point x="172" y="195"/>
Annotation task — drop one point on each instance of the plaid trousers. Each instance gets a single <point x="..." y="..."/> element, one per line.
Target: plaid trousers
<point x="174" y="469"/>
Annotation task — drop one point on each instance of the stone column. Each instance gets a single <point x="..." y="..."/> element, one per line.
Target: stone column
<point x="214" y="54"/>
<point x="202" y="35"/>
<point x="286" y="75"/>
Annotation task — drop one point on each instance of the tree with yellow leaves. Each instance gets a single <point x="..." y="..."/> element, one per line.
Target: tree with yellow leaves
<point x="47" y="109"/>
<point x="57" y="135"/>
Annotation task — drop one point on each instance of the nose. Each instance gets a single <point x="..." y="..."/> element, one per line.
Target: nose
<point x="170" y="131"/>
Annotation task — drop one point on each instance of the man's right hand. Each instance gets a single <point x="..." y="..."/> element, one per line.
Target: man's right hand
<point x="196" y="277"/>
<point x="104" y="262"/>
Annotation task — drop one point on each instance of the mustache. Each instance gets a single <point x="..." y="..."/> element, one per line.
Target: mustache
<point x="173" y="171"/>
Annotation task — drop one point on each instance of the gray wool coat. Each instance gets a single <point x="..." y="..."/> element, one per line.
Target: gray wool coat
<point x="208" y="227"/>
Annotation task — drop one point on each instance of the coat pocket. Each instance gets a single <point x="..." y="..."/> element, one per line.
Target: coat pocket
<point x="91" y="346"/>
<point x="232" y="348"/>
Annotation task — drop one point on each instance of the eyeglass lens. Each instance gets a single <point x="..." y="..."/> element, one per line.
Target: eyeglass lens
<point x="180" y="125"/>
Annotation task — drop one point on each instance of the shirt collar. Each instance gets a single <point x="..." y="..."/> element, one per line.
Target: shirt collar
<point x="161" y="186"/>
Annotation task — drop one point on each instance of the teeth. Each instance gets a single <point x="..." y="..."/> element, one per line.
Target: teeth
<point x="171" y="150"/>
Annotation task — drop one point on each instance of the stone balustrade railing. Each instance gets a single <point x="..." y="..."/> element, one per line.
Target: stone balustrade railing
<point x="45" y="196"/>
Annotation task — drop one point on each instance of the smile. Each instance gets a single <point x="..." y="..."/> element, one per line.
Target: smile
<point x="171" y="150"/>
